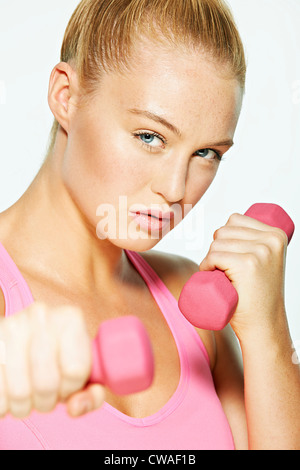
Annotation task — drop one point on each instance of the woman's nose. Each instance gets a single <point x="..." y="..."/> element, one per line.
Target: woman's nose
<point x="170" y="180"/>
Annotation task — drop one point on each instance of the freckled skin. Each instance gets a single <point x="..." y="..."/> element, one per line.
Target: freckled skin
<point x="103" y="160"/>
<point x="99" y="156"/>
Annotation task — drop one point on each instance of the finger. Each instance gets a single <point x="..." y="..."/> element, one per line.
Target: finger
<point x="90" y="399"/>
<point x="239" y="220"/>
<point x="74" y="351"/>
<point x="240" y="246"/>
<point x="17" y="365"/>
<point x="45" y="374"/>
<point x="238" y="233"/>
<point x="228" y="262"/>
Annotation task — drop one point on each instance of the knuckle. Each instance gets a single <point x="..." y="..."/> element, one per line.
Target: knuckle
<point x="234" y="219"/>
<point x="38" y="313"/>
<point x="215" y="246"/>
<point x="16" y="328"/>
<point x="75" y="371"/>
<point x="212" y="248"/>
<point x="279" y="239"/>
<point x="36" y="307"/>
<point x="252" y="261"/>
<point x="220" y="233"/>
<point x="73" y="313"/>
<point x="264" y="251"/>
<point x="217" y="234"/>
<point x="210" y="254"/>
<point x="67" y="317"/>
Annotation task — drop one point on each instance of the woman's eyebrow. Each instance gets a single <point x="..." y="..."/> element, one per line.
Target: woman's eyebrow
<point x="164" y="122"/>
<point x="156" y="118"/>
<point x="224" y="143"/>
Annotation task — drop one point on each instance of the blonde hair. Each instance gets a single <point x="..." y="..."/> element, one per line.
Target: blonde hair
<point x="100" y="35"/>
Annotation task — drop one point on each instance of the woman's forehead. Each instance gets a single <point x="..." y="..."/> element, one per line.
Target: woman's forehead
<point x="174" y="83"/>
<point x="168" y="99"/>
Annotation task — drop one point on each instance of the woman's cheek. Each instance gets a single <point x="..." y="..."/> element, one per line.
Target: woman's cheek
<point x="198" y="182"/>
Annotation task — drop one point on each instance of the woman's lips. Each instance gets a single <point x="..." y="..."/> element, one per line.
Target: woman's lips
<point x="157" y="214"/>
<point x="152" y="220"/>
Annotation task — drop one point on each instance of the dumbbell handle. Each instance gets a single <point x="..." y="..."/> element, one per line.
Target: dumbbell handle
<point x="208" y="300"/>
<point x="122" y="357"/>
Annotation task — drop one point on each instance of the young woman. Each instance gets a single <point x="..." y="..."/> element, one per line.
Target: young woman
<point x="146" y="100"/>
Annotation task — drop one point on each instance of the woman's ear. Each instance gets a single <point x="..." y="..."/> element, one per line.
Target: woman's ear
<point x="63" y="93"/>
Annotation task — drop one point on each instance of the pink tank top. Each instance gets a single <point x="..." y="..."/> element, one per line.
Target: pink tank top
<point x="193" y="418"/>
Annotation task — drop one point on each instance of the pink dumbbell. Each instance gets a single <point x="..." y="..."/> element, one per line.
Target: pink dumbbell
<point x="208" y="300"/>
<point x="122" y="356"/>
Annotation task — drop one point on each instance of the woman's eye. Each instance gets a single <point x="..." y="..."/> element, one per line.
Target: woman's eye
<point x="208" y="154"/>
<point x="151" y="140"/>
<point x="147" y="138"/>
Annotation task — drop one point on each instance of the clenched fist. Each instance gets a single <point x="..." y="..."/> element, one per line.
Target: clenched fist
<point x="47" y="360"/>
<point x="252" y="255"/>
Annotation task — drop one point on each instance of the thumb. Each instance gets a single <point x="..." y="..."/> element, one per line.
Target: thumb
<point x="89" y="399"/>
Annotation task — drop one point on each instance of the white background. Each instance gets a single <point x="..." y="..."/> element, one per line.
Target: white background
<point x="263" y="166"/>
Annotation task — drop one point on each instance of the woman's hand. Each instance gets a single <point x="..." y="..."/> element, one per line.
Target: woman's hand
<point x="252" y="255"/>
<point x="47" y="361"/>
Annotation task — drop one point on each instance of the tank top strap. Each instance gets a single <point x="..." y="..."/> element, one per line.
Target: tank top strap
<point x="180" y="327"/>
<point x="156" y="286"/>
<point x="17" y="294"/>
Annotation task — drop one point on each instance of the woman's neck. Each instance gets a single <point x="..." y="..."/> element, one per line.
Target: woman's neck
<point x="45" y="228"/>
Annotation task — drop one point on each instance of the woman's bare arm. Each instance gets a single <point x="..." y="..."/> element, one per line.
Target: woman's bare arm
<point x="272" y="389"/>
<point x="229" y="382"/>
<point x="253" y="255"/>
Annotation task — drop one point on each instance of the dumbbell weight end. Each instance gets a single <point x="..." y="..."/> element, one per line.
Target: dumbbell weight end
<point x="122" y="357"/>
<point x="208" y="300"/>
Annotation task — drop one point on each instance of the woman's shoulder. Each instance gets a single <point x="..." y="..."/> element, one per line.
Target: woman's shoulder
<point x="174" y="270"/>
